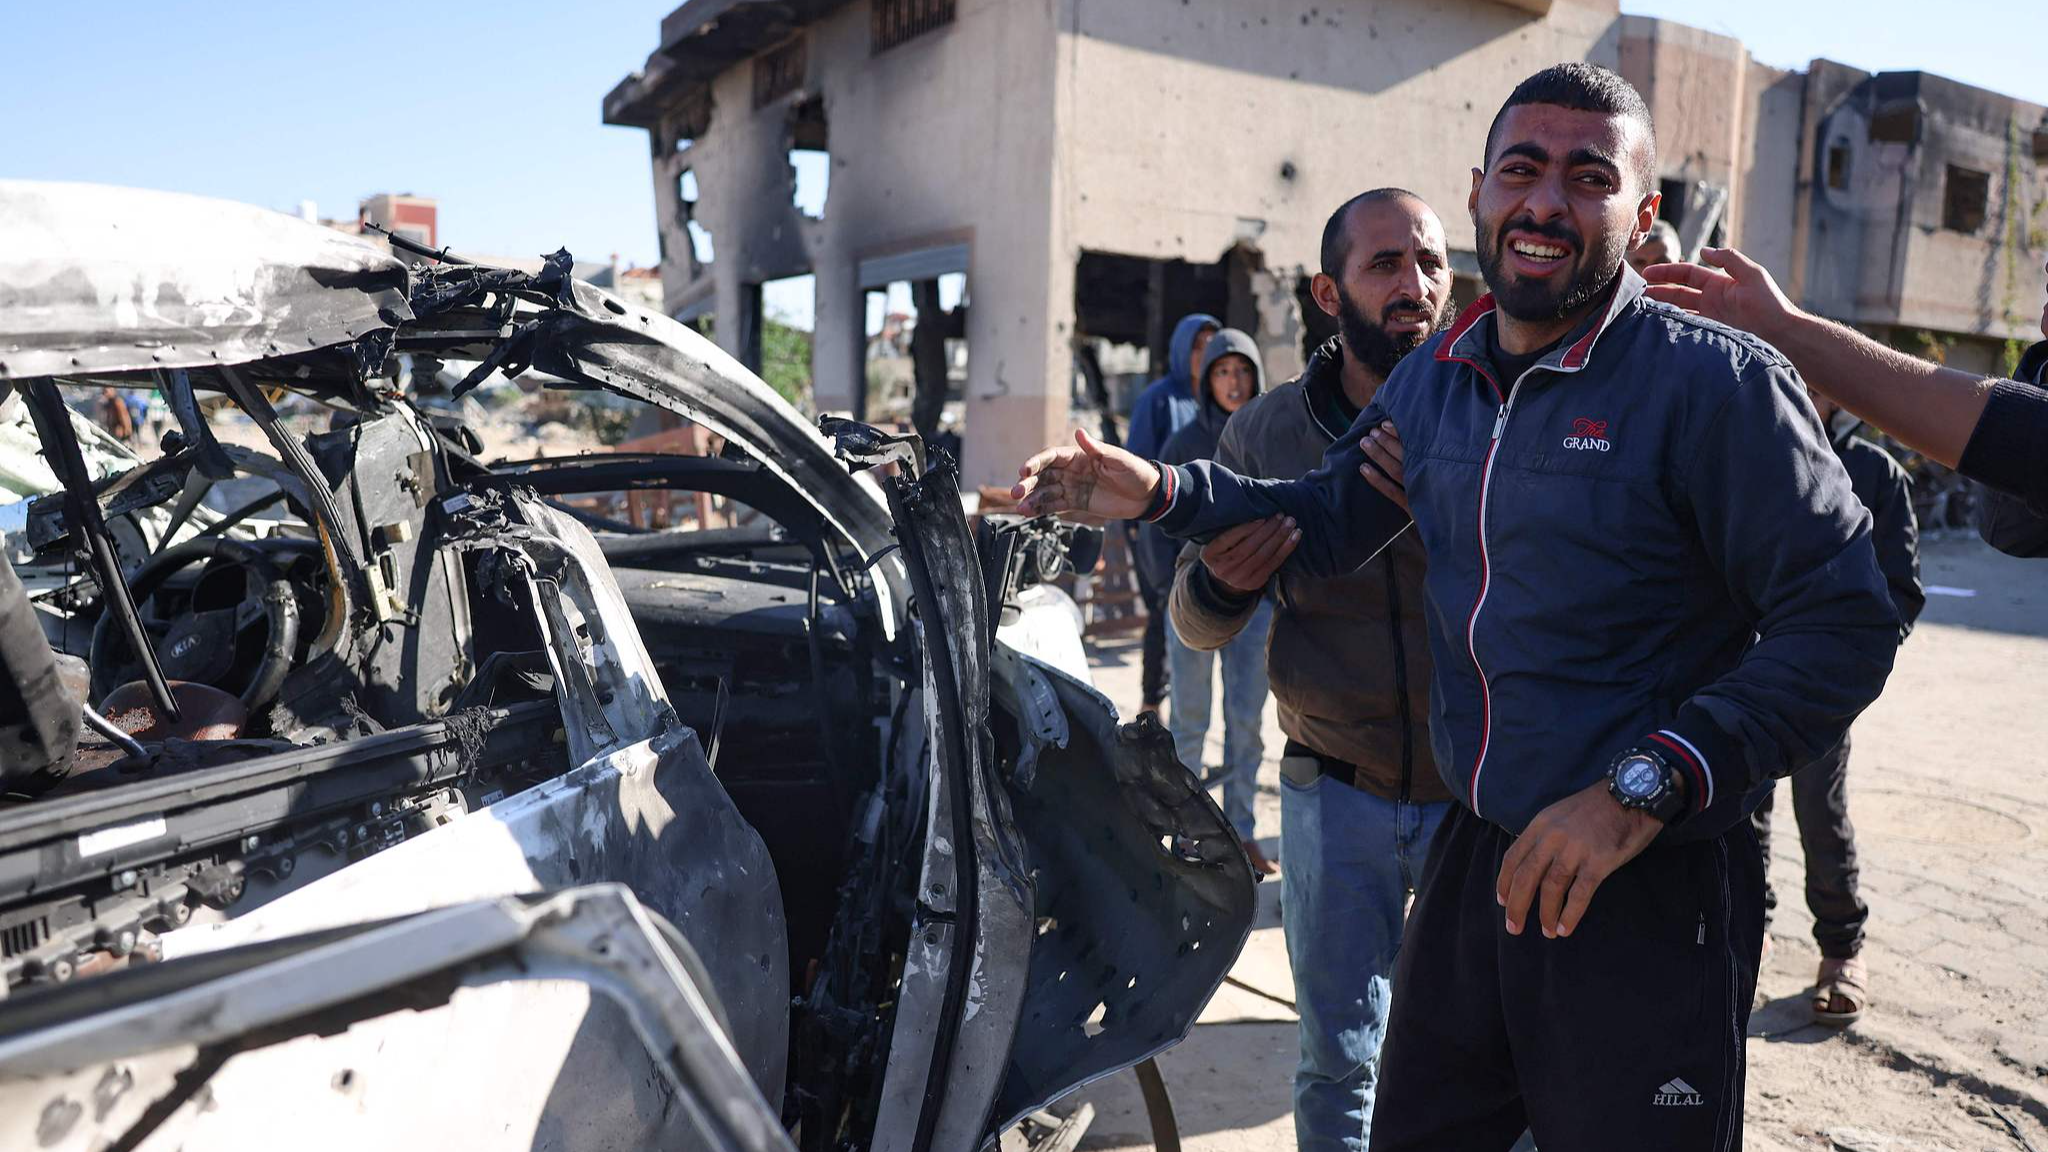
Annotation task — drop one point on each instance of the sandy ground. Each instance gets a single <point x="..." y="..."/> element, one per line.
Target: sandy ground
<point x="1947" y="793"/>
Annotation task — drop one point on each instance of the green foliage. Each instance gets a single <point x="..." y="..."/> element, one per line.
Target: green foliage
<point x="611" y="425"/>
<point x="1929" y="346"/>
<point x="606" y="418"/>
<point x="786" y="361"/>
<point x="499" y="397"/>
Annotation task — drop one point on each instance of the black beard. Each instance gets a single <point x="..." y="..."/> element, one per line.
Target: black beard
<point x="1369" y="343"/>
<point x="1537" y="303"/>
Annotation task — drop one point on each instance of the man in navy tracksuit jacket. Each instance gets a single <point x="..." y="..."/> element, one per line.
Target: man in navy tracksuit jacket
<point x="1644" y="561"/>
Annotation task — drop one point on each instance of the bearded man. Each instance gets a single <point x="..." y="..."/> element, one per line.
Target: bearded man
<point x="1348" y="662"/>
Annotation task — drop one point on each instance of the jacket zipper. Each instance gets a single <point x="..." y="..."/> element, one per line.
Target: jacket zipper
<point x="1400" y="677"/>
<point x="1500" y="426"/>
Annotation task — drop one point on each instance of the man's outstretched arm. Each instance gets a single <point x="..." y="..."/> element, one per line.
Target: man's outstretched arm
<point x="1994" y="430"/>
<point x="1344" y="520"/>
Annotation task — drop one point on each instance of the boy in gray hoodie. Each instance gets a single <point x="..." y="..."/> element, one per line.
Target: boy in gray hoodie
<point x="1232" y="374"/>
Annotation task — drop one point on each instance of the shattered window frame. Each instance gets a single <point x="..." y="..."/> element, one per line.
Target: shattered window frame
<point x="898" y="22"/>
<point x="780" y="70"/>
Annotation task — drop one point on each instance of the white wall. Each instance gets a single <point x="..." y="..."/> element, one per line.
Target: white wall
<point x="1769" y="169"/>
<point x="1178" y="118"/>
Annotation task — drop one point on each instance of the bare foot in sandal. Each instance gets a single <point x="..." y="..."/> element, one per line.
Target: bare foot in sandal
<point x="1841" y="992"/>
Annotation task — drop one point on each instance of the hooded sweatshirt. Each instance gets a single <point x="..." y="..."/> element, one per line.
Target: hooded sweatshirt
<point x="1168" y="403"/>
<point x="1196" y="441"/>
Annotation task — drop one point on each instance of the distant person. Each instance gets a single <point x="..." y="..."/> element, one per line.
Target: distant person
<point x="114" y="415"/>
<point x="1820" y="799"/>
<point x="1993" y="431"/>
<point x="1360" y="799"/>
<point x="1165" y="406"/>
<point x="1232" y="374"/>
<point x="1659" y="247"/>
<point x="137" y="400"/>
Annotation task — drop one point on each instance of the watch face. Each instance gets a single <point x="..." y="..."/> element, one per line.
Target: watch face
<point x="1639" y="778"/>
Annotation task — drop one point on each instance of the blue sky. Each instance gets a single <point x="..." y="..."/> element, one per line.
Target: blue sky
<point x="494" y="108"/>
<point x="1997" y="44"/>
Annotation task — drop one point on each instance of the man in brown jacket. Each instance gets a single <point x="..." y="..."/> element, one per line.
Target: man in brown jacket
<point x="1348" y="661"/>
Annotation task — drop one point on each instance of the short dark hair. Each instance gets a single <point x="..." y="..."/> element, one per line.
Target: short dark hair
<point x="1336" y="246"/>
<point x="1583" y="88"/>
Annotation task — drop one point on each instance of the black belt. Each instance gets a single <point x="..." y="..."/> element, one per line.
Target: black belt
<point x="1302" y="764"/>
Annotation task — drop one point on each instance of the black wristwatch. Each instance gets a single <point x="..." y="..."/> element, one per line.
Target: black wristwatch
<point x="1642" y="779"/>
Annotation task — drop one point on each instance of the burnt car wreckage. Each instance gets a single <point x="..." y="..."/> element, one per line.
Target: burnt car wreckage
<point x="427" y="814"/>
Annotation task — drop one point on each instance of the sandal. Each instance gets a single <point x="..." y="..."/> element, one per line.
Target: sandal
<point x="1842" y="982"/>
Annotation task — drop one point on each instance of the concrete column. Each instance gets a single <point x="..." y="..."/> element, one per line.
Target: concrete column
<point x="1018" y="363"/>
<point x="836" y="343"/>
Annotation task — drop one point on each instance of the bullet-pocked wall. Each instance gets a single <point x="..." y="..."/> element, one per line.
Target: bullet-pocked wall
<point x="1728" y="133"/>
<point x="942" y="141"/>
<point x="1190" y="127"/>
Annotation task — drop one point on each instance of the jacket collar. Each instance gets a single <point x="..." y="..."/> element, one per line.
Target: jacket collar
<point x="1466" y="340"/>
<point x="1322" y="377"/>
<point x="1842" y="425"/>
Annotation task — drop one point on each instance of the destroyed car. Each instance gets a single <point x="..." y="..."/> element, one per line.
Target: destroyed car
<point x="390" y="801"/>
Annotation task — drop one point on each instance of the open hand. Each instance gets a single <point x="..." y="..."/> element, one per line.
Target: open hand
<point x="1725" y="286"/>
<point x="1245" y="557"/>
<point x="1565" y="853"/>
<point x="1386" y="472"/>
<point x="1090" y="481"/>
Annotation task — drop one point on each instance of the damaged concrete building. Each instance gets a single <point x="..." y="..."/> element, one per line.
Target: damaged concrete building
<point x="1920" y="211"/>
<point x="1093" y="171"/>
<point x="1905" y="204"/>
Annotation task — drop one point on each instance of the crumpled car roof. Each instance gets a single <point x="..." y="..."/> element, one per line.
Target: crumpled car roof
<point x="99" y="280"/>
<point x="102" y="279"/>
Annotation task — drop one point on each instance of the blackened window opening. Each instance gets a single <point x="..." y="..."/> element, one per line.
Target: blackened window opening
<point x="1964" y="198"/>
<point x="1896" y="123"/>
<point x="1838" y="166"/>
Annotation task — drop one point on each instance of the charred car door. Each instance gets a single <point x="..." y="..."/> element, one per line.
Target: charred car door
<point x="1081" y="896"/>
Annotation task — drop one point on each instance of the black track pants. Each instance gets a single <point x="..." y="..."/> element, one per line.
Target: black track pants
<point x="1820" y="801"/>
<point x="1152" y="658"/>
<point x="1627" y="1035"/>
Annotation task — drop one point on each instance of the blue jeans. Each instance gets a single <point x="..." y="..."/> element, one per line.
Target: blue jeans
<point x="1244" y="705"/>
<point x="1348" y="860"/>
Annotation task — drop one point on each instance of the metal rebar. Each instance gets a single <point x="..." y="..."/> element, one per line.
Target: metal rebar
<point x="113" y="732"/>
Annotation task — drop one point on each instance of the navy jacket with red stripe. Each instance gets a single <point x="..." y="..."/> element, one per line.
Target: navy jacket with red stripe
<point x="1646" y="540"/>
